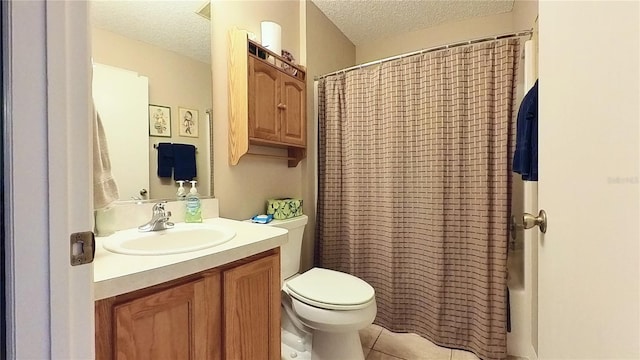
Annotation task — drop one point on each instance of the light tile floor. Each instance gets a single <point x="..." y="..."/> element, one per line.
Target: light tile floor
<point x="381" y="344"/>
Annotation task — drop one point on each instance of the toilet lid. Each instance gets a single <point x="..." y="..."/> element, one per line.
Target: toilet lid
<point x="329" y="289"/>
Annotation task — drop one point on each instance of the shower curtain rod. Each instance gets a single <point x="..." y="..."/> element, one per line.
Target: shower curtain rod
<point x="442" y="47"/>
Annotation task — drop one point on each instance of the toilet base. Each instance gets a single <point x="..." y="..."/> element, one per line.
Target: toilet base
<point x="336" y="346"/>
<point x="289" y="353"/>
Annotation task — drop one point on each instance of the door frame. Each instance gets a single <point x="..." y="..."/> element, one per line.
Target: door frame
<point x="47" y="178"/>
<point x="3" y="303"/>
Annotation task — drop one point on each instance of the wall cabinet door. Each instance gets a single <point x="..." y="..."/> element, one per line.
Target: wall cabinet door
<point x="264" y="98"/>
<point x="293" y="111"/>
<point x="252" y="310"/>
<point x="276" y="105"/>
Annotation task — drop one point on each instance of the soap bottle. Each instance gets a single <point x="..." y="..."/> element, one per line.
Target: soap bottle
<point x="194" y="210"/>
<point x="182" y="192"/>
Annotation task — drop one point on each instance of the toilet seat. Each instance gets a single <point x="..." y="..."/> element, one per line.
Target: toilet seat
<point x="331" y="290"/>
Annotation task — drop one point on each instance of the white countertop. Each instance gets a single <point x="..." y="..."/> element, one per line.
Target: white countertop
<point x="116" y="274"/>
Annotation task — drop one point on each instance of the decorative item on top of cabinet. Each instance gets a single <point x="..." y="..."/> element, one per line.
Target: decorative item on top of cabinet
<point x="267" y="104"/>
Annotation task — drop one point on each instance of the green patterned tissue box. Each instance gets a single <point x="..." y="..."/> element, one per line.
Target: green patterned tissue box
<point x="284" y="208"/>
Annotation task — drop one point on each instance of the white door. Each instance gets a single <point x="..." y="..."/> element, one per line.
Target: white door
<point x="47" y="179"/>
<point x="121" y="97"/>
<point x="589" y="305"/>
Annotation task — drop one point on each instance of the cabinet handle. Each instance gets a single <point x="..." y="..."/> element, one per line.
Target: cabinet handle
<point x="282" y="106"/>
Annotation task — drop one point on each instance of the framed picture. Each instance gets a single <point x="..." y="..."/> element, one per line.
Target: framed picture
<point x="189" y="122"/>
<point x="159" y="121"/>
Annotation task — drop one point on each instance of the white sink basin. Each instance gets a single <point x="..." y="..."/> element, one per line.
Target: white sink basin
<point x="180" y="239"/>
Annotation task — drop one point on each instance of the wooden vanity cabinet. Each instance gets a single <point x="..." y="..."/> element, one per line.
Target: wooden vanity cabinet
<point x="176" y="320"/>
<point x="231" y="312"/>
<point x="252" y="310"/>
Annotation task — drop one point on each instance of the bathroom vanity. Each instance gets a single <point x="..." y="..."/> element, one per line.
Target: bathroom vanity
<point x="221" y="302"/>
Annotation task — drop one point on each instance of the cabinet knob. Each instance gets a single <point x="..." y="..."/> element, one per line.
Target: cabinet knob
<point x="282" y="106"/>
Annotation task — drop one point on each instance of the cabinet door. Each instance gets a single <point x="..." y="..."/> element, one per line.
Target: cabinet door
<point x="176" y="323"/>
<point x="252" y="310"/>
<point x="293" y="114"/>
<point x="264" y="98"/>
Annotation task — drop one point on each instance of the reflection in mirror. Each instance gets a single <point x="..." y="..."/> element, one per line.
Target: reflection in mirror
<point x="152" y="55"/>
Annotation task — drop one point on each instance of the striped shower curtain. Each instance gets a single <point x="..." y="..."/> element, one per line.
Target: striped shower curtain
<point x="414" y="189"/>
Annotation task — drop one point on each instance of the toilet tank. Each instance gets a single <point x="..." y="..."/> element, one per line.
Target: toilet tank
<point x="291" y="251"/>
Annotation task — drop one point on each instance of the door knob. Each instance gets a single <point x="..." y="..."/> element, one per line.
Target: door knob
<point x="143" y="192"/>
<point x="530" y="221"/>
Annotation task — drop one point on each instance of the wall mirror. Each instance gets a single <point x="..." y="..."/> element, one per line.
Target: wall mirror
<point x="151" y="85"/>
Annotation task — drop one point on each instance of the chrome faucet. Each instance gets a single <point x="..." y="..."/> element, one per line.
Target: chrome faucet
<point x="159" y="219"/>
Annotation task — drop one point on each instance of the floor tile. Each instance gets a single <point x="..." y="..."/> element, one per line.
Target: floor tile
<point x="369" y="335"/>
<point x="410" y="347"/>
<point x="463" y="355"/>
<point x="377" y="355"/>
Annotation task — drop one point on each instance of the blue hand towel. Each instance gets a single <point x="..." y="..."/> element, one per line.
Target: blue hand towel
<point x="525" y="157"/>
<point x="165" y="160"/>
<point x="184" y="162"/>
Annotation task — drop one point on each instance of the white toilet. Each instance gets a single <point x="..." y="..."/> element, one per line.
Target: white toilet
<point x="322" y="310"/>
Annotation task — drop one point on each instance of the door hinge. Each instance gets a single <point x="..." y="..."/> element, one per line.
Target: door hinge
<point x="82" y="248"/>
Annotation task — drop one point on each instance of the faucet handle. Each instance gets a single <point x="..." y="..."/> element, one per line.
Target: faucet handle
<point x="157" y="207"/>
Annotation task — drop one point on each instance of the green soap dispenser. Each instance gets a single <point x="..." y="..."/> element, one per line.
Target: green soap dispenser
<point x="194" y="210"/>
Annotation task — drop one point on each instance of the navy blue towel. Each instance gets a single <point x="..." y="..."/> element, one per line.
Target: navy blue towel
<point x="165" y="160"/>
<point x="525" y="157"/>
<point x="184" y="162"/>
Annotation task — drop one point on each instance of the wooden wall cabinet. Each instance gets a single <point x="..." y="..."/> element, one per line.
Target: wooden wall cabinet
<point x="267" y="102"/>
<point x="276" y="106"/>
<point x="231" y="312"/>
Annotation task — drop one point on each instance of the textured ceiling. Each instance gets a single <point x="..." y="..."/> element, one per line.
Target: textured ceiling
<point x="363" y="21"/>
<point x="172" y="25"/>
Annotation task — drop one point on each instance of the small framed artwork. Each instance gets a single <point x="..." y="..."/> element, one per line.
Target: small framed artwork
<point x="159" y="121"/>
<point x="189" y="122"/>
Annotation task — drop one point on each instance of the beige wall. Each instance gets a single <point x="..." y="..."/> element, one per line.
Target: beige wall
<point x="327" y="50"/>
<point x="525" y="16"/>
<point x="435" y="36"/>
<point x="174" y="81"/>
<point x="243" y="189"/>
<point x="525" y="13"/>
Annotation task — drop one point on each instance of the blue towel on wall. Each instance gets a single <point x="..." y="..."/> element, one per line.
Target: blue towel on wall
<point x="525" y="157"/>
<point x="165" y="160"/>
<point x="184" y="162"/>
